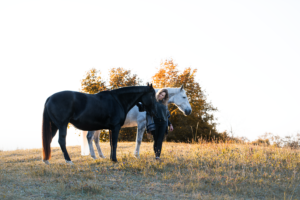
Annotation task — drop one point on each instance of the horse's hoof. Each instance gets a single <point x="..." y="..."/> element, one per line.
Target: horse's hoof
<point x="136" y="156"/>
<point x="94" y="157"/>
<point x="69" y="162"/>
<point x="46" y="162"/>
<point x="102" y="156"/>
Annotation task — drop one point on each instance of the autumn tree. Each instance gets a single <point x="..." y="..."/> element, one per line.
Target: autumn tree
<point x="167" y="75"/>
<point x="93" y="82"/>
<point x="201" y="122"/>
<point x="120" y="77"/>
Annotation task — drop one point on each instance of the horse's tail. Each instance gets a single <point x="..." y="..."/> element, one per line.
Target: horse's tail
<point x="46" y="135"/>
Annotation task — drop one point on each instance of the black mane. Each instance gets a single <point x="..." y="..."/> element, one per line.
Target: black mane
<point x="131" y="89"/>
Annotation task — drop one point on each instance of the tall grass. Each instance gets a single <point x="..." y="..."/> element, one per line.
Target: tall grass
<point x="186" y="171"/>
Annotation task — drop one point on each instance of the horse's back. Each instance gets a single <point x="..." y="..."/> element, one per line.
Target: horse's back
<point x="101" y="111"/>
<point x="60" y="105"/>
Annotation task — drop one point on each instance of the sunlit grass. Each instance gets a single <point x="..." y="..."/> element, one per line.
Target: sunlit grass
<point x="186" y="171"/>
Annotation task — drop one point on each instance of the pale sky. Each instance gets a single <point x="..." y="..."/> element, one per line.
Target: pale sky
<point x="247" y="54"/>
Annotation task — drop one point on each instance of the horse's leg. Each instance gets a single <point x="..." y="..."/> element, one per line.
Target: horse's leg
<point x="54" y="130"/>
<point x="110" y="143"/>
<point x="114" y="142"/>
<point x="89" y="137"/>
<point x="62" y="142"/>
<point x="96" y="140"/>
<point x="139" y="137"/>
<point x="85" y="149"/>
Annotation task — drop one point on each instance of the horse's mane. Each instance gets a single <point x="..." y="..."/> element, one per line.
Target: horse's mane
<point x="136" y="89"/>
<point x="131" y="89"/>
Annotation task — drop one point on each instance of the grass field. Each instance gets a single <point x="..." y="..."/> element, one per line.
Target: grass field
<point x="186" y="171"/>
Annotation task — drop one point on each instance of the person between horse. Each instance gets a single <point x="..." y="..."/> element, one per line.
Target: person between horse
<point x="158" y="125"/>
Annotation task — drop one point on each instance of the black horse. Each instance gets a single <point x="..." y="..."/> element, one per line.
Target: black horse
<point x="104" y="110"/>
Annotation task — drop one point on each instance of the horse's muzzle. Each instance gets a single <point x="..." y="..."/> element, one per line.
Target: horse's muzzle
<point x="188" y="111"/>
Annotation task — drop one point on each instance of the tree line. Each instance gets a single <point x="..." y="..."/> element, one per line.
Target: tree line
<point x="201" y="124"/>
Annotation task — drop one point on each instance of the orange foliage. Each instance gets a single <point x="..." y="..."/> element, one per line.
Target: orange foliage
<point x="201" y="121"/>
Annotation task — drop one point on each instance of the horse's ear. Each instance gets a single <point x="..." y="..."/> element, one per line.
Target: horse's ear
<point x="151" y="85"/>
<point x="181" y="87"/>
<point x="147" y="83"/>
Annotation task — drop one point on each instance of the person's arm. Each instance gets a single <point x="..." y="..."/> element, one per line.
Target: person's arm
<point x="169" y="123"/>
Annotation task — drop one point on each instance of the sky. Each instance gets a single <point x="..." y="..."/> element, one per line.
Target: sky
<point x="247" y="54"/>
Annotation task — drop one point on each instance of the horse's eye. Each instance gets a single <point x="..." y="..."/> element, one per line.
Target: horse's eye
<point x="184" y="97"/>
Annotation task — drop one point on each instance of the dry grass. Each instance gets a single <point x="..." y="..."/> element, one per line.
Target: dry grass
<point x="186" y="171"/>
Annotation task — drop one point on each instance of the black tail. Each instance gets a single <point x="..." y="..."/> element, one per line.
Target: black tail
<point x="46" y="135"/>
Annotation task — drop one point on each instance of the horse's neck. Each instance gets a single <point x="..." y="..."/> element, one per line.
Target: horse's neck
<point x="171" y="91"/>
<point x="130" y="99"/>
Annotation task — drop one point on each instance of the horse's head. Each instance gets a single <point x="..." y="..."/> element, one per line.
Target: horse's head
<point x="149" y="100"/>
<point x="181" y="101"/>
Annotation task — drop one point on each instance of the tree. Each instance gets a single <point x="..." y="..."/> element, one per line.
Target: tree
<point x="93" y="82"/>
<point x="120" y="77"/>
<point x="200" y="124"/>
<point x="166" y="76"/>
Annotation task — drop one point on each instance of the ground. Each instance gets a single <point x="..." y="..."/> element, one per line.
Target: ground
<point x="186" y="171"/>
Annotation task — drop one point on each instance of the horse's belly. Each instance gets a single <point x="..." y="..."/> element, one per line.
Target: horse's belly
<point x="131" y="118"/>
<point x="129" y="123"/>
<point x="87" y="126"/>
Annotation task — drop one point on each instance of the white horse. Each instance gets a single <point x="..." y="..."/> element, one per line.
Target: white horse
<point x="134" y="118"/>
